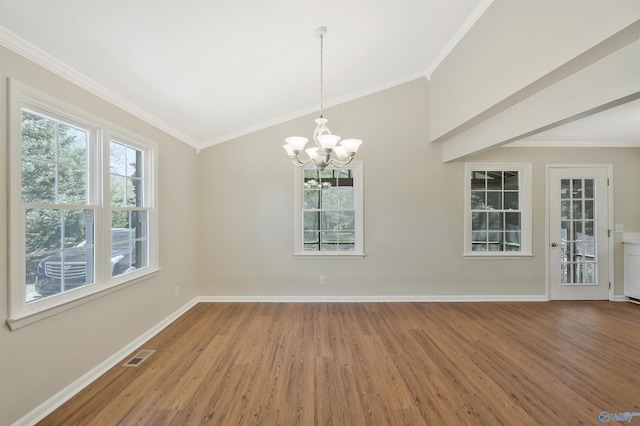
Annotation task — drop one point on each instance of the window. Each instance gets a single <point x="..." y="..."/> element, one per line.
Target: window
<point x="129" y="209"/>
<point x="329" y="216"/>
<point x="81" y="206"/>
<point x="497" y="209"/>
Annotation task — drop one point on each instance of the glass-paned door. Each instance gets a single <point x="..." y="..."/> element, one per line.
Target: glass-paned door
<point x="579" y="233"/>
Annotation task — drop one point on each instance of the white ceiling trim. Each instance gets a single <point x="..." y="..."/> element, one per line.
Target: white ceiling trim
<point x="32" y="53"/>
<point x="311" y="110"/>
<point x="573" y="144"/>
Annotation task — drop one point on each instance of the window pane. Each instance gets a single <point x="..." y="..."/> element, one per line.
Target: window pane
<point x="478" y="201"/>
<point x="494" y="200"/>
<point x="347" y="221"/>
<point x="311" y="221"/>
<point x="565" y="209"/>
<point x="311" y="199"/>
<point x="121" y="255"/>
<point x="75" y="228"/>
<point x="330" y="220"/>
<point x="134" y="192"/>
<point x="311" y="237"/>
<point x="512" y="221"/>
<point x="577" y="209"/>
<point x="329" y="198"/>
<point x="495" y="237"/>
<point x="72" y="146"/>
<point x="478" y="181"/>
<point x="118" y="159"/>
<point x="38" y="136"/>
<point x="140" y="254"/>
<point x="494" y="180"/>
<point x="120" y="219"/>
<point x="139" y="223"/>
<point x="118" y="190"/>
<point x="589" y="209"/>
<point x="38" y="182"/>
<point x="511" y="201"/>
<point x="479" y="236"/>
<point x="345" y="198"/>
<point x="479" y="221"/>
<point x="43" y="230"/>
<point x="511" y="181"/>
<point x="72" y="185"/>
<point x="479" y="247"/>
<point x="134" y="162"/>
<point x="512" y="241"/>
<point x="565" y="191"/>
<point x="495" y="220"/>
<point x="588" y="188"/>
<point x="577" y="188"/>
<point x="64" y="271"/>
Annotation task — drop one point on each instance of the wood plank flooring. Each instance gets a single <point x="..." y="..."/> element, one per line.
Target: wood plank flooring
<point x="542" y="363"/>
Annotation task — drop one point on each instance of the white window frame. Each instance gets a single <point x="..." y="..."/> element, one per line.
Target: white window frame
<point x="525" y="195"/>
<point x="358" y="178"/>
<point x="22" y="313"/>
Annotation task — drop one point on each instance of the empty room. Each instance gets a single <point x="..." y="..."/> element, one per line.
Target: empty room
<point x="185" y="239"/>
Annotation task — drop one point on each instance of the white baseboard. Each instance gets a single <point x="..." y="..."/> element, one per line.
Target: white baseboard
<point x="47" y="407"/>
<point x="438" y="298"/>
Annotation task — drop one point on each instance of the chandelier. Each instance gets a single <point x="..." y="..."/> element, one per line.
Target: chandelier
<point x="329" y="149"/>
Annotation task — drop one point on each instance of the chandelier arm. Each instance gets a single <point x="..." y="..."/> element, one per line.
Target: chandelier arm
<point x="339" y="163"/>
<point x="299" y="163"/>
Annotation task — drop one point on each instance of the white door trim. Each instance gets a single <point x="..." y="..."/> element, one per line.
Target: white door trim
<point x="547" y="241"/>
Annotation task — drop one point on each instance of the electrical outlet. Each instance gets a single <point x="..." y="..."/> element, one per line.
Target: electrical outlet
<point x="323" y="280"/>
<point x="177" y="292"/>
<point x="619" y="227"/>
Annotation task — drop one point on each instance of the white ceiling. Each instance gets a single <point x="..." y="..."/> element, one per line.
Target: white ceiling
<point x="209" y="71"/>
<point x="620" y="124"/>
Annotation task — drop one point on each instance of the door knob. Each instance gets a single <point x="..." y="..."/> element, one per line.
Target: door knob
<point x="554" y="244"/>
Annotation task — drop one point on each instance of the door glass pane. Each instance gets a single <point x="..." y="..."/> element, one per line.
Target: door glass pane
<point x="578" y="249"/>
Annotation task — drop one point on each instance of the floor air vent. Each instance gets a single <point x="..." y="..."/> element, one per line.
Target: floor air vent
<point x="138" y="358"/>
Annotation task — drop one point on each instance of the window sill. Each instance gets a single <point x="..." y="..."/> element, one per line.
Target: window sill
<point x="19" y="321"/>
<point x="329" y="255"/>
<point x="486" y="255"/>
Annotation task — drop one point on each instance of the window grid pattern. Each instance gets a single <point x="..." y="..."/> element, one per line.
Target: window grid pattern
<point x="578" y="229"/>
<point x="129" y="215"/>
<point x="496" y="215"/>
<point x="329" y="215"/>
<point x="56" y="195"/>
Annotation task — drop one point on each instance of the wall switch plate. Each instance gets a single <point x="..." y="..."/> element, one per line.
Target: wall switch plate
<point x="323" y="280"/>
<point x="619" y="227"/>
<point x="177" y="292"/>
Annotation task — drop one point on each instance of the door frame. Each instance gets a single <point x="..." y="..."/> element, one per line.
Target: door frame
<point x="547" y="238"/>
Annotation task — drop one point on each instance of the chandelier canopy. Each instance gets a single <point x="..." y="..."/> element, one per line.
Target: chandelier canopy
<point x="328" y="149"/>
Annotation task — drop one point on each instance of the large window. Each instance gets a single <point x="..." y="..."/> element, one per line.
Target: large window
<point x="497" y="209"/>
<point x="81" y="206"/>
<point x="329" y="211"/>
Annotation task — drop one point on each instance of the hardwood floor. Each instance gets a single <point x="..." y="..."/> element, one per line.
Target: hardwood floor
<point x="547" y="363"/>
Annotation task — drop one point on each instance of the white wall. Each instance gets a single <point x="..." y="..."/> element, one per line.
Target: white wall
<point x="413" y="211"/>
<point x="39" y="360"/>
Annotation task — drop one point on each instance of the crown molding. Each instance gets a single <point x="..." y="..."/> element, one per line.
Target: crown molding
<point x="27" y="50"/>
<point x="573" y="144"/>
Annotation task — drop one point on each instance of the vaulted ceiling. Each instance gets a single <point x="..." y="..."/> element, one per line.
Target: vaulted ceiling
<point x="210" y="71"/>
